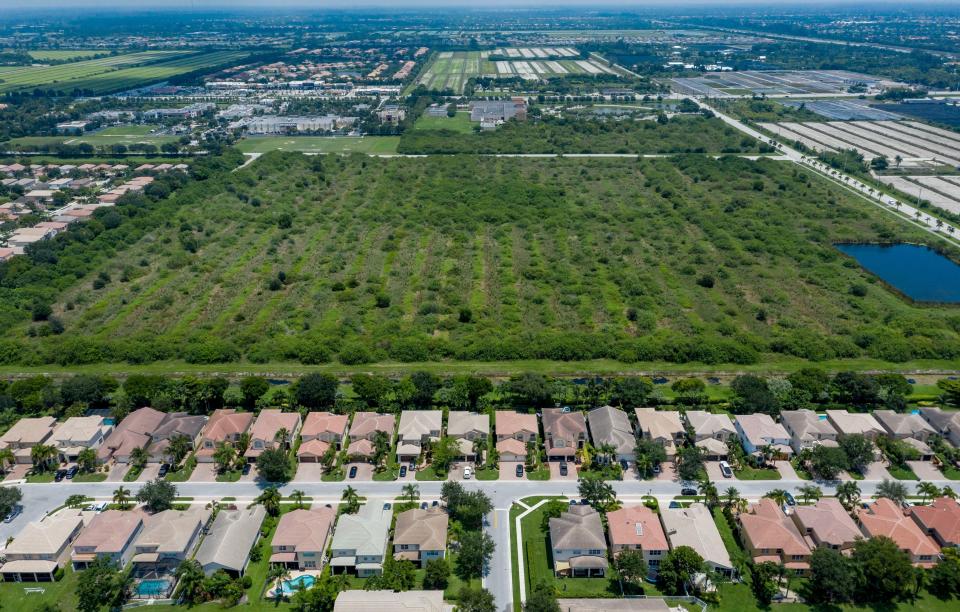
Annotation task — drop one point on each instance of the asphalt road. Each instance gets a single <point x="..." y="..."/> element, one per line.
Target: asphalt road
<point x="39" y="499"/>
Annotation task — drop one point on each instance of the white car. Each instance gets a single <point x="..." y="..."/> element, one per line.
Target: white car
<point x="467" y="473"/>
<point x="726" y="470"/>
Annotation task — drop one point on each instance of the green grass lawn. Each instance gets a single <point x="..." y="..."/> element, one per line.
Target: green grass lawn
<point x="132" y="474"/>
<point x="801" y="471"/>
<point x="127" y="130"/>
<point x="460" y="123"/>
<point x="42" y="477"/>
<point x="739" y="598"/>
<point x="92" y="477"/>
<point x="427" y="474"/>
<point x="229" y="476"/>
<point x="488" y="474"/>
<point x="44" y="55"/>
<point x="60" y="593"/>
<point x="321" y="144"/>
<point x="749" y="473"/>
<point x="386" y="475"/>
<point x="737" y="555"/>
<point x="183" y="473"/>
<point x="902" y="472"/>
<point x="336" y="475"/>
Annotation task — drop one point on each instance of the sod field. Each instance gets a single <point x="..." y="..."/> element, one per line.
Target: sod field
<point x="320" y="144"/>
<point x="125" y="135"/>
<point x="60" y="55"/>
<point x="106" y="74"/>
<point x="357" y="259"/>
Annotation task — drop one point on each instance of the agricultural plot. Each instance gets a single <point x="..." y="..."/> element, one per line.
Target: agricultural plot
<point x="410" y="259"/>
<point x="915" y="144"/>
<point x="370" y="145"/>
<point x="125" y="135"/>
<point x="452" y="69"/>
<point x="775" y="83"/>
<point x="939" y="112"/>
<point x="45" y="55"/>
<point x="844" y="110"/>
<point x="114" y="73"/>
<point x="943" y="192"/>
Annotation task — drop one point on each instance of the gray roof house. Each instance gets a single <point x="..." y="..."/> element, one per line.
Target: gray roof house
<point x="416" y="428"/>
<point x="232" y="535"/>
<point x="578" y="542"/>
<point x="694" y="527"/>
<point x="904" y="426"/>
<point x="807" y="429"/>
<point x="609" y="425"/>
<point x="360" y="541"/>
<point x="947" y="424"/>
<point x="711" y="432"/>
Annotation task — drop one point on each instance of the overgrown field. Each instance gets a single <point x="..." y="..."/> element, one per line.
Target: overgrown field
<point x="679" y="135"/>
<point x="113" y="73"/>
<point x="365" y="259"/>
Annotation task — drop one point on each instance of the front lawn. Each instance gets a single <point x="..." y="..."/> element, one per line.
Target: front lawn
<point x="334" y="475"/>
<point x="386" y="475"/>
<point x="40" y="477"/>
<point x="749" y="473"/>
<point x="428" y="474"/>
<point x="488" y="474"/>
<point x="90" y="477"/>
<point x="133" y="473"/>
<point x="902" y="472"/>
<point x="800" y="470"/>
<point x="183" y="472"/>
<point x="541" y="473"/>
<point x="229" y="476"/>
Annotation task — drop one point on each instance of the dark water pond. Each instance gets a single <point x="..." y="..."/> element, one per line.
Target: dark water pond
<point x="916" y="271"/>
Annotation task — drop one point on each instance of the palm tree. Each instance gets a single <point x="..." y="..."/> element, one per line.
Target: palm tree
<point x="121" y="497"/>
<point x="381" y="447"/>
<point x="478" y="445"/>
<point x="777" y="495"/>
<point x="709" y="491"/>
<point x="848" y="492"/>
<point x="270" y="499"/>
<point x="894" y="490"/>
<point x="139" y="457"/>
<point x="224" y="455"/>
<point x="41" y="454"/>
<point x="87" y="459"/>
<point x="351" y="500"/>
<point x="243" y="442"/>
<point x="278" y="573"/>
<point x="810" y="492"/>
<point x="179" y="447"/>
<point x="191" y="577"/>
<point x="644" y="465"/>
<point x="282" y="434"/>
<point x="948" y="492"/>
<point x="297" y="495"/>
<point x="7" y="458"/>
<point x="411" y="492"/>
<point x="606" y="450"/>
<point x="927" y="489"/>
<point x="730" y="497"/>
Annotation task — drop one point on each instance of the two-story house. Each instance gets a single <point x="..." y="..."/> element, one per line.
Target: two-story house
<point x="272" y="429"/>
<point x="110" y="534"/>
<point x="420" y="535"/>
<point x="25" y="434"/>
<point x="807" y="429"/>
<point x="320" y="432"/>
<point x="301" y="538"/>
<point x="827" y="524"/>
<point x="514" y="431"/>
<point x="225" y="425"/>
<point x="167" y="539"/>
<point x="944" y="422"/>
<point x="134" y="431"/>
<point x="564" y="432"/>
<point x="940" y="520"/>
<point x="417" y="427"/>
<point x="364" y="430"/>
<point x="77" y="434"/>
<point x="711" y="432"/>
<point x="636" y="527"/>
<point x="770" y="535"/>
<point x="663" y="426"/>
<point x="578" y="543"/>
<point x="467" y="428"/>
<point x="41" y="548"/>
<point x="360" y="542"/>
<point x="611" y="426"/>
<point x="885" y="518"/>
<point x="909" y="428"/>
<point x="757" y="431"/>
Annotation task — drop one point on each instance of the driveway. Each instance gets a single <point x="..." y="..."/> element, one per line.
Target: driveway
<point x="18" y="472"/>
<point x="204" y="472"/>
<point x="150" y="472"/>
<point x="508" y="470"/>
<point x="251" y="475"/>
<point x="364" y="471"/>
<point x="875" y="470"/>
<point x="786" y="470"/>
<point x="925" y="470"/>
<point x="308" y="472"/>
<point x="713" y="471"/>
<point x="555" y="471"/>
<point x="668" y="472"/>
<point x="117" y="472"/>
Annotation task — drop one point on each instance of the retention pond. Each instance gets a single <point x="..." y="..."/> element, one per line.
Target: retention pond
<point x="917" y="271"/>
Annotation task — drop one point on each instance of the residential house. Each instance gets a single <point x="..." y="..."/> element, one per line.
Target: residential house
<point x="225" y="425"/>
<point x="41" y="548"/>
<point x="944" y="422"/>
<point x="134" y="431"/>
<point x="514" y="431"/>
<point x="467" y="428"/>
<point x="770" y="535"/>
<point x="321" y="430"/>
<point x="301" y="538"/>
<point x="168" y="538"/>
<point x="637" y="527"/>
<point x="27" y="433"/>
<point x="231" y="537"/>
<point x="174" y="425"/>
<point x="909" y="428"/>
<point x="827" y="524"/>
<point x="807" y="429"/>
<point x="939" y="520"/>
<point x="416" y="428"/>
<point x="711" y="432"/>
<point x="361" y="541"/>
<point x="363" y="432"/>
<point x="578" y="543"/>
<point x="267" y="429"/>
<point x="885" y="518"/>
<point x="663" y="426"/>
<point x="757" y="431"/>
<point x="861" y="423"/>
<point x="564" y="432"/>
<point x="420" y="535"/>
<point x="694" y="527"/>
<point x="110" y="534"/>
<point x="381" y="601"/>
<point x="609" y="425"/>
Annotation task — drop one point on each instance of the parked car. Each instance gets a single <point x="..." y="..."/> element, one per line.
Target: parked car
<point x="72" y="471"/>
<point x="412" y="467"/>
<point x="59" y="475"/>
<point x="97" y="507"/>
<point x="353" y="471"/>
<point x="563" y="468"/>
<point x="688" y="491"/>
<point x="13" y="514"/>
<point x="164" y="468"/>
<point x="435" y="504"/>
<point x="790" y="500"/>
<point x="386" y="506"/>
<point x="674" y="504"/>
<point x="246" y="469"/>
<point x="656" y="469"/>
<point x="519" y="470"/>
<point x="624" y="465"/>
<point x="403" y="471"/>
<point x="424" y="506"/>
<point x="726" y="470"/>
<point x="467" y="472"/>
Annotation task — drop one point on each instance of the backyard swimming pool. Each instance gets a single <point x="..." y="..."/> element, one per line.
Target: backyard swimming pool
<point x="289" y="587"/>
<point x="153" y="588"/>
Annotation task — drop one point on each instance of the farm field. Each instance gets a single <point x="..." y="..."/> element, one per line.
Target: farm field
<point x="947" y="114"/>
<point x="370" y="145"/>
<point x="941" y="191"/>
<point x="113" y="73"/>
<point x="916" y="144"/>
<point x="44" y="55"/>
<point x="96" y="139"/>
<point x="452" y="69"/>
<point x="362" y="260"/>
<point x="774" y="83"/>
<point x="460" y="123"/>
<point x="844" y="110"/>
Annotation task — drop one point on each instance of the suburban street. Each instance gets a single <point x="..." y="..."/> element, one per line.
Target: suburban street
<point x="38" y="499"/>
